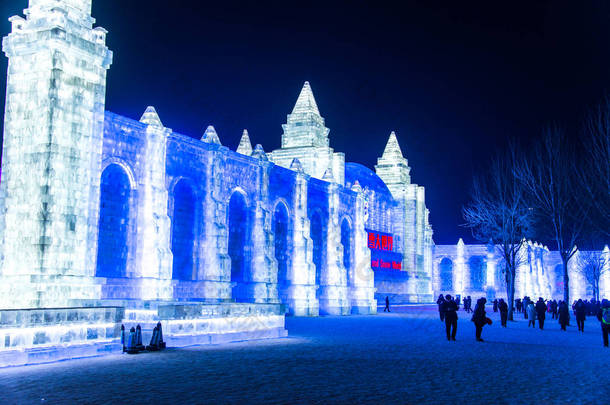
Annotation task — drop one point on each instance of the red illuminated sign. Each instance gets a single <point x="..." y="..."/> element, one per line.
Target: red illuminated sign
<point x="383" y="256"/>
<point x="382" y="264"/>
<point x="379" y="241"/>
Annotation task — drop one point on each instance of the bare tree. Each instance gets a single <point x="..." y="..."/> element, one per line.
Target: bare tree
<point x="596" y="170"/>
<point x="553" y="187"/>
<point x="498" y="213"/>
<point x="592" y="264"/>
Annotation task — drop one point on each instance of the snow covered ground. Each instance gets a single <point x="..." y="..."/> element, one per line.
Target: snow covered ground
<point x="402" y="357"/>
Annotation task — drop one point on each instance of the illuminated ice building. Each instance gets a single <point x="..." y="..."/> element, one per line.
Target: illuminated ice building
<point x="477" y="270"/>
<point x="106" y="220"/>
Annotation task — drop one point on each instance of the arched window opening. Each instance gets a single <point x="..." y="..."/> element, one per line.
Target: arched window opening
<point x="346" y="241"/>
<point x="237" y="249"/>
<point x="446" y="274"/>
<point x="113" y="226"/>
<point x="280" y="231"/>
<point x="183" y="231"/>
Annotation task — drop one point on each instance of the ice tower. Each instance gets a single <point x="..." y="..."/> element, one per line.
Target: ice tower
<point x="53" y="132"/>
<point x="305" y="138"/>
<point x="393" y="168"/>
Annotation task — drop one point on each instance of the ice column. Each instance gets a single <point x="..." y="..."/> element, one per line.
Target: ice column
<point x="301" y="292"/>
<point x="263" y="286"/>
<point x="154" y="261"/>
<point x="53" y="131"/>
<point x="362" y="288"/>
<point x="333" y="280"/>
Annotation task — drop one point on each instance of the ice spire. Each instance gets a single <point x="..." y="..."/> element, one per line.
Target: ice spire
<point x="210" y="136"/>
<point x="259" y="152"/>
<point x="150" y="117"/>
<point x="328" y="175"/>
<point x="392" y="148"/>
<point x="305" y="126"/>
<point x="393" y="168"/>
<point x="245" y="146"/>
<point x="306" y="103"/>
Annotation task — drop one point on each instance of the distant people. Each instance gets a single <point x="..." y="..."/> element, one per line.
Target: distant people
<point x="524" y="308"/>
<point x="530" y="314"/>
<point x="564" y="315"/>
<point x="451" y="317"/>
<point x="518" y="305"/>
<point x="495" y="306"/>
<point x="503" y="307"/>
<point x="540" y="312"/>
<point x="441" y="306"/>
<point x="554" y="309"/>
<point x="480" y="318"/>
<point x="468" y="308"/>
<point x="603" y="315"/>
<point x="387" y="304"/>
<point x="580" y="311"/>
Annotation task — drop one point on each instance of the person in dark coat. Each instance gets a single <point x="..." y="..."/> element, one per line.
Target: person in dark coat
<point x="495" y="307"/>
<point x="451" y="317"/>
<point x="564" y="315"/>
<point x="580" y="311"/>
<point x="503" y="307"/>
<point x="441" y="306"/>
<point x="518" y="304"/>
<point x="554" y="309"/>
<point x="480" y="317"/>
<point x="387" y="304"/>
<point x="603" y="315"/>
<point x="541" y="312"/>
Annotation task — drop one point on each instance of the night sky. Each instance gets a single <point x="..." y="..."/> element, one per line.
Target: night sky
<point x="454" y="79"/>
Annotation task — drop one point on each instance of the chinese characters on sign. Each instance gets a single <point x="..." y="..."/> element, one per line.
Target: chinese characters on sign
<point x="382" y="251"/>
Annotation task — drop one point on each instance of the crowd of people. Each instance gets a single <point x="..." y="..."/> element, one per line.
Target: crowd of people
<point x="448" y="308"/>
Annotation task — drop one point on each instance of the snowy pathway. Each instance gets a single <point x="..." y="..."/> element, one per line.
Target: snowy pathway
<point x="400" y="358"/>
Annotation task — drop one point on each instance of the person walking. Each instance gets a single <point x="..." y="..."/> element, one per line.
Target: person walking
<point x="530" y="314"/>
<point x="441" y="306"/>
<point x="564" y="315"/>
<point x="603" y="315"/>
<point x="387" y="304"/>
<point x="541" y="312"/>
<point x="480" y="318"/>
<point x="580" y="310"/>
<point x="451" y="317"/>
<point x="518" y="305"/>
<point x="495" y="307"/>
<point x="503" y="307"/>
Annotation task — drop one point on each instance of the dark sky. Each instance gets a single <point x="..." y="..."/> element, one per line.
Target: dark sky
<point x="454" y="79"/>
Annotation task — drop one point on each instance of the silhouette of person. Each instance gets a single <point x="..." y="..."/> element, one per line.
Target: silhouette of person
<point x="387" y="304"/>
<point x="503" y="307"/>
<point x="541" y="312"/>
<point x="603" y="315"/>
<point x="564" y="315"/>
<point x="451" y="317"/>
<point x="441" y="306"/>
<point x="480" y="317"/>
<point x="580" y="310"/>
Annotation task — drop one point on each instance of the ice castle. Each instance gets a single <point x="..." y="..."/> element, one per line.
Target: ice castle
<point x="107" y="220"/>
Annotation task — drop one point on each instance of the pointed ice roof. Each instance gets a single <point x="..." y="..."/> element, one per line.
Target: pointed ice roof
<point x="328" y="175"/>
<point x="306" y="103"/>
<point x="245" y="146"/>
<point x="150" y="117"/>
<point x="392" y="148"/>
<point x="259" y="152"/>
<point x="296" y="166"/>
<point x="210" y="136"/>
